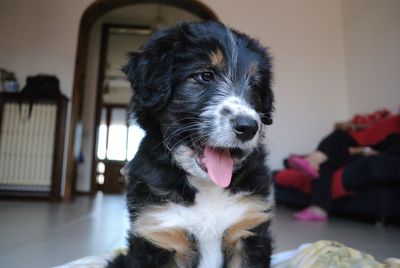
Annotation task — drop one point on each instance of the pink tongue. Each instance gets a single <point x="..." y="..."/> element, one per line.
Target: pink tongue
<point x="219" y="166"/>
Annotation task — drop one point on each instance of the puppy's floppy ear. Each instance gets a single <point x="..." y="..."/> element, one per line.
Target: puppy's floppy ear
<point x="267" y="106"/>
<point x="264" y="87"/>
<point x="267" y="97"/>
<point x="149" y="74"/>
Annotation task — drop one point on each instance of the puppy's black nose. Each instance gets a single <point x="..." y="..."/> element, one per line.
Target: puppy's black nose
<point x="244" y="127"/>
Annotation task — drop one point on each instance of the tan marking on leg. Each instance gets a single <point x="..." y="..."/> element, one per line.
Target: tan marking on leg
<point x="171" y="239"/>
<point x="174" y="240"/>
<point x="233" y="238"/>
<point x="217" y="58"/>
<point x="241" y="229"/>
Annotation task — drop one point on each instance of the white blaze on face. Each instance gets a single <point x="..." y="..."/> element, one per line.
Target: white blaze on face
<point x="222" y="134"/>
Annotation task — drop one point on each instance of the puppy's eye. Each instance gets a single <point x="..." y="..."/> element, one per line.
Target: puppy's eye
<point x="205" y="77"/>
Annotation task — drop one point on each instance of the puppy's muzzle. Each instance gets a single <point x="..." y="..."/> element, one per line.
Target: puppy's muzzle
<point x="245" y="127"/>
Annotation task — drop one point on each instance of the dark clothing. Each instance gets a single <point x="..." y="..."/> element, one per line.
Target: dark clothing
<point x="336" y="147"/>
<point x="321" y="188"/>
<point x="364" y="173"/>
<point x="360" y="172"/>
<point x="390" y="145"/>
<point x="374" y="171"/>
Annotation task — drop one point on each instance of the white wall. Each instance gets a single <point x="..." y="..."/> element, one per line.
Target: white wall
<point x="372" y="34"/>
<point x="40" y="37"/>
<point x="306" y="38"/>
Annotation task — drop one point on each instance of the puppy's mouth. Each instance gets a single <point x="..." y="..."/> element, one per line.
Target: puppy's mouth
<point x="219" y="162"/>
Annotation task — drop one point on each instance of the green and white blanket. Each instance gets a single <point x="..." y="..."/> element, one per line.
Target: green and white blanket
<point x="320" y="254"/>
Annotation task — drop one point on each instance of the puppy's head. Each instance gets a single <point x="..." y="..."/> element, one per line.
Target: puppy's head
<point x="206" y="89"/>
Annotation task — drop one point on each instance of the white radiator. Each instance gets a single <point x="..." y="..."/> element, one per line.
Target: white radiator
<point x="27" y="146"/>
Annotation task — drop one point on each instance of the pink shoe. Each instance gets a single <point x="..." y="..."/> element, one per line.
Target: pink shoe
<point x="309" y="214"/>
<point x="300" y="164"/>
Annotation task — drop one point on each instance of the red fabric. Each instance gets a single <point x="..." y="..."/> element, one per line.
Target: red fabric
<point x="337" y="187"/>
<point x="294" y="179"/>
<point x="378" y="131"/>
<point x="360" y="121"/>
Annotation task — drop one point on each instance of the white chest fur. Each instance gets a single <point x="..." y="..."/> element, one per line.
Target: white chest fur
<point x="214" y="211"/>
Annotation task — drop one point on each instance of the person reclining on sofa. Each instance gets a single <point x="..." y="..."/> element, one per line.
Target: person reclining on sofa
<point x="347" y="141"/>
<point x="365" y="172"/>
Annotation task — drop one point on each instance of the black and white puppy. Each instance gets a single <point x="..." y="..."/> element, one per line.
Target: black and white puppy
<point x="198" y="193"/>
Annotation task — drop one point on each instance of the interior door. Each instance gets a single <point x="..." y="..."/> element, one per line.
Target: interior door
<point x="117" y="139"/>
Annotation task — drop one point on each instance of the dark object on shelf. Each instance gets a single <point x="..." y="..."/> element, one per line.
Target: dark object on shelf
<point x="40" y="87"/>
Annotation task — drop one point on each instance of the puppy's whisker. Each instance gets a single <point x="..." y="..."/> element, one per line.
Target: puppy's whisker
<point x="168" y="141"/>
<point x="182" y="140"/>
<point x="182" y="119"/>
<point x="183" y="126"/>
<point x="180" y="132"/>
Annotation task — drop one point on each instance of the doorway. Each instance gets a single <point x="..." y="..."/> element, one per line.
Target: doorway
<point x="117" y="139"/>
<point x="97" y="105"/>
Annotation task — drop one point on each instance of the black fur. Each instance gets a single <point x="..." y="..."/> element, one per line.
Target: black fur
<point x="166" y="98"/>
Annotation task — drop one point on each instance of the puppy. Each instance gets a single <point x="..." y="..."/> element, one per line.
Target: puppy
<point x="198" y="191"/>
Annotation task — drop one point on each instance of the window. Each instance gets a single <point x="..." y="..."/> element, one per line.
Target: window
<point x="117" y="140"/>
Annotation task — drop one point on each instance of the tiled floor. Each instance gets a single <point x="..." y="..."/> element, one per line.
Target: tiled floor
<point x="39" y="234"/>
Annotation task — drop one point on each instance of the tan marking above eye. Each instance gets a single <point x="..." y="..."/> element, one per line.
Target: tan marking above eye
<point x="253" y="68"/>
<point x="217" y="57"/>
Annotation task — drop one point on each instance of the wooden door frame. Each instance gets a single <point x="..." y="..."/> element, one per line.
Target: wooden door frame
<point x="104" y="44"/>
<point x="89" y="17"/>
